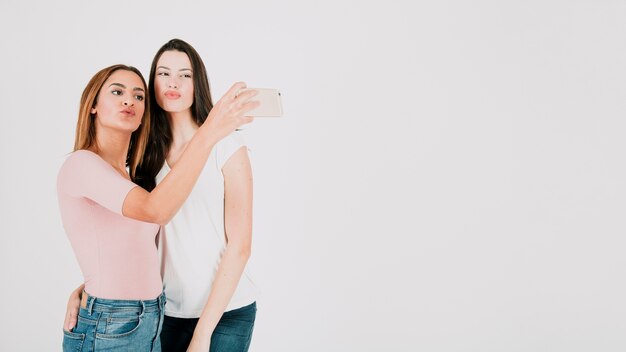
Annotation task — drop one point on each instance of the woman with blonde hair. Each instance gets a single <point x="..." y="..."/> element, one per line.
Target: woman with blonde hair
<point x="111" y="222"/>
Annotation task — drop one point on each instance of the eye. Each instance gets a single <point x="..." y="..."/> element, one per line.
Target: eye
<point x="163" y="74"/>
<point x="116" y="92"/>
<point x="186" y="75"/>
<point x="139" y="97"/>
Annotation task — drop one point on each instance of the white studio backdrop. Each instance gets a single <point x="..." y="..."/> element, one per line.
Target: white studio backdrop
<point x="448" y="176"/>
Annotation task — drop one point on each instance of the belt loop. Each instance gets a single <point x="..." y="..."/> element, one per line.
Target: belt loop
<point x="143" y="308"/>
<point x="91" y="300"/>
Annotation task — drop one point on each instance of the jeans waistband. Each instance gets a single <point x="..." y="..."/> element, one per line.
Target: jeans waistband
<point x="95" y="304"/>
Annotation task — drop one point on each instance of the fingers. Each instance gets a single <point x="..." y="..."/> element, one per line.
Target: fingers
<point x="247" y="106"/>
<point x="234" y="90"/>
<point x="66" y="322"/>
<point x="242" y="104"/>
<point x="71" y="317"/>
<point x="245" y="120"/>
<point x="235" y="97"/>
<point x="245" y="94"/>
<point x="229" y="112"/>
<point x="70" y="321"/>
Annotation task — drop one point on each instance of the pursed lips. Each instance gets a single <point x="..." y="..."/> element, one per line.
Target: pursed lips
<point x="170" y="94"/>
<point x="128" y="112"/>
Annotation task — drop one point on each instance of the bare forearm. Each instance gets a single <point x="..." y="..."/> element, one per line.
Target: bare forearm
<point x="238" y="229"/>
<point x="171" y="193"/>
<point x="160" y="205"/>
<point x="227" y="278"/>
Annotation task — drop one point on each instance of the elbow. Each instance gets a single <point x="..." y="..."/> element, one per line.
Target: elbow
<point x="245" y="251"/>
<point x="163" y="219"/>
<point x="160" y="221"/>
<point x="157" y="216"/>
<point x="146" y="207"/>
<point x="241" y="250"/>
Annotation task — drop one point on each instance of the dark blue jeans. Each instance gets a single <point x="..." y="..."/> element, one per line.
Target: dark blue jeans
<point x="233" y="332"/>
<point x="117" y="325"/>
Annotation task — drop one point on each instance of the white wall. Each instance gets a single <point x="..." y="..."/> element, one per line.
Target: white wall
<point x="449" y="175"/>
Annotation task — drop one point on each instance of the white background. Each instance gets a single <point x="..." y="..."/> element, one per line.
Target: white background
<point x="448" y="176"/>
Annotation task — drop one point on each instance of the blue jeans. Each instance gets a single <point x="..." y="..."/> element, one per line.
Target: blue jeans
<point x="117" y="325"/>
<point x="233" y="332"/>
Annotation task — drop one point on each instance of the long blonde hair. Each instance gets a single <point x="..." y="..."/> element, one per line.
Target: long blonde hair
<point x="86" y="127"/>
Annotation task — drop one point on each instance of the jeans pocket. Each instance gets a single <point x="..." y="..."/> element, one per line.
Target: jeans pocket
<point x="238" y="322"/>
<point x="72" y="342"/>
<point x="120" y="326"/>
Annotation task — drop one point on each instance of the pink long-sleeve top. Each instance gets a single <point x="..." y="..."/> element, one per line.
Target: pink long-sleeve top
<point x="117" y="255"/>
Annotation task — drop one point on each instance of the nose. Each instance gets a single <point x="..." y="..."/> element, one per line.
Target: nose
<point x="172" y="83"/>
<point x="128" y="102"/>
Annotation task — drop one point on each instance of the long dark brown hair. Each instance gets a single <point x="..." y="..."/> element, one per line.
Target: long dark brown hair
<point x="160" y="139"/>
<point x="86" y="127"/>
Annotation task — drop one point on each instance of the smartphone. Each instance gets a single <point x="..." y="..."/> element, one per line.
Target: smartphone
<point x="271" y="105"/>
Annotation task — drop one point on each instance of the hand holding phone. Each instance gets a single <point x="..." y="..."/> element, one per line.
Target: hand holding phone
<point x="271" y="104"/>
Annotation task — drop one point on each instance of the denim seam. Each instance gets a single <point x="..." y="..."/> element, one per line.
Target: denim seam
<point x="89" y="320"/>
<point x="74" y="335"/>
<point x="122" y="320"/>
<point x="116" y="336"/>
<point x="95" y="332"/>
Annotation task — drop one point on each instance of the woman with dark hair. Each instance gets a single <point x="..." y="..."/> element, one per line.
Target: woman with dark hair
<point x="111" y="222"/>
<point x="205" y="247"/>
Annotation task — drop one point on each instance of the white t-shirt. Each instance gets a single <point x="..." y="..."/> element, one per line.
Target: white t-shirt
<point x="193" y="242"/>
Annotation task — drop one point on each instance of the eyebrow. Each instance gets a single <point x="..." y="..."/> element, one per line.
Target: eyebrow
<point x="123" y="86"/>
<point x="167" y="68"/>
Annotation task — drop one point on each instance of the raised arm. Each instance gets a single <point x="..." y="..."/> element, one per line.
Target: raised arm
<point x="160" y="205"/>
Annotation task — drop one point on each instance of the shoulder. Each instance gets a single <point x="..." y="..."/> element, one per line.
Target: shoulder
<point x="81" y="161"/>
<point x="228" y="146"/>
<point x="233" y="139"/>
<point x="82" y="156"/>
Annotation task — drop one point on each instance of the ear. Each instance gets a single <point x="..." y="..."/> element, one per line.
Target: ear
<point x="93" y="110"/>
